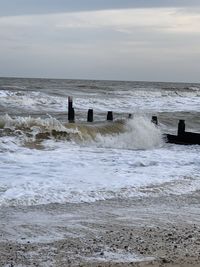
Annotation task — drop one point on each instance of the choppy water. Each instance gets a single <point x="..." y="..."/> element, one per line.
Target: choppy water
<point x="44" y="159"/>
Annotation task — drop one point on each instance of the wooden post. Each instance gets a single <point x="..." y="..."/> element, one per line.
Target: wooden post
<point x="90" y="115"/>
<point x="181" y="127"/>
<point x="154" y="119"/>
<point x="110" y="116"/>
<point x="130" y="116"/>
<point x="71" y="113"/>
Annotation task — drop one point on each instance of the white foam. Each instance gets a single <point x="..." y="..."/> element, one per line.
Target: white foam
<point x="140" y="134"/>
<point x="32" y="101"/>
<point x="70" y="173"/>
<point x="35" y="124"/>
<point x="4" y="93"/>
<point x="118" y="256"/>
<point x="128" y="101"/>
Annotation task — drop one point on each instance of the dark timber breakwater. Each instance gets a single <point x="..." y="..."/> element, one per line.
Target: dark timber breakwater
<point x="182" y="137"/>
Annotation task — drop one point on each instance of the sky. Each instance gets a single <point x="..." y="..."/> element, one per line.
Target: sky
<point x="138" y="40"/>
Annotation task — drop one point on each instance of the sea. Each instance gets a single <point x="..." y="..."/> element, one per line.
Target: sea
<point x="45" y="159"/>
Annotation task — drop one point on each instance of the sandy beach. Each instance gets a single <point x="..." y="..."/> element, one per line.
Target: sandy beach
<point x="158" y="231"/>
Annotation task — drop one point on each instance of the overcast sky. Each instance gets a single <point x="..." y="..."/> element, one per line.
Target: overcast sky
<point x="148" y="40"/>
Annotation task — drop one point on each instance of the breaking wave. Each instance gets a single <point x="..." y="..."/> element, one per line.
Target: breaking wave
<point x="136" y="133"/>
<point x="123" y="100"/>
<point x="140" y="133"/>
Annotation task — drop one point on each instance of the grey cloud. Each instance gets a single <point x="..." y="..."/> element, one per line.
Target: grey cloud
<point x="144" y="52"/>
<point x="148" y="66"/>
<point x="22" y="7"/>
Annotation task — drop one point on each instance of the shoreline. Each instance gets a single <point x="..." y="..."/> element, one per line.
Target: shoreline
<point x="154" y="231"/>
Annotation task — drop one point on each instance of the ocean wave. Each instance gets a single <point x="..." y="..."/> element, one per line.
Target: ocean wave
<point x="30" y="193"/>
<point x="139" y="133"/>
<point x="31" y="101"/>
<point x="119" y="101"/>
<point x="12" y="87"/>
<point x="136" y="133"/>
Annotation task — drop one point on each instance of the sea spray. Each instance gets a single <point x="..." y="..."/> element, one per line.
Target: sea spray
<point x="29" y="123"/>
<point x="140" y="133"/>
<point x="136" y="133"/>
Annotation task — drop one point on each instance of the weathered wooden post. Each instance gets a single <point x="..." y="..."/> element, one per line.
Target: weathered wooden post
<point x="110" y="116"/>
<point x="130" y="116"/>
<point x="90" y="115"/>
<point x="154" y="119"/>
<point x="181" y="127"/>
<point x="71" y="113"/>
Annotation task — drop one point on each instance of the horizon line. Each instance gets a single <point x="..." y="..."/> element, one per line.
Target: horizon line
<point x="94" y="79"/>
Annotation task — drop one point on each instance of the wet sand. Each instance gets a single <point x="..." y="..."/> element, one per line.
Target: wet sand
<point x="154" y="231"/>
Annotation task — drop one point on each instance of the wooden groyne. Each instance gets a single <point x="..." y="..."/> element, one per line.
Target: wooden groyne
<point x="71" y="113"/>
<point x="182" y="137"/>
